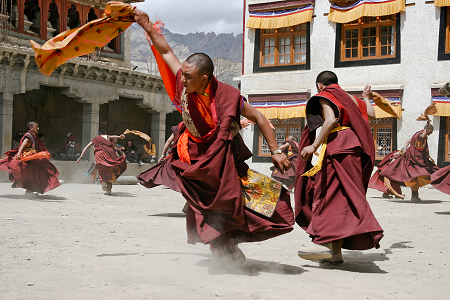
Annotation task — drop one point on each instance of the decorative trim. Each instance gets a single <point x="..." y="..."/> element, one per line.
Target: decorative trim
<point x="279" y="5"/>
<point x="365" y="8"/>
<point x="279" y="97"/>
<point x="279" y="19"/>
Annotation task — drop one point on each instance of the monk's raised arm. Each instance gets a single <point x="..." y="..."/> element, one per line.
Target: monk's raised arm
<point x="367" y="95"/>
<point x="279" y="159"/>
<point x="158" y="41"/>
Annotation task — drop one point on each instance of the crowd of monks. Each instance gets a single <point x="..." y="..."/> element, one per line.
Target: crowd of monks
<point x="227" y="202"/>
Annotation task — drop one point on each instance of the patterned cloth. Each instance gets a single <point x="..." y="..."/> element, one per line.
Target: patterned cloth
<point x="86" y="39"/>
<point x="260" y="193"/>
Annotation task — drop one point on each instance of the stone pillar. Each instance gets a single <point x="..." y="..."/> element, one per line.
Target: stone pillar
<point x="6" y="120"/>
<point x="158" y="133"/>
<point x="90" y="126"/>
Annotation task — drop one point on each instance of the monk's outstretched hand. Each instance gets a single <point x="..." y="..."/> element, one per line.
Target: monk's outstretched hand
<point x="79" y="160"/>
<point x="281" y="162"/>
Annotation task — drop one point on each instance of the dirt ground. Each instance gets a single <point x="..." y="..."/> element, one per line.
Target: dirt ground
<point x="76" y="243"/>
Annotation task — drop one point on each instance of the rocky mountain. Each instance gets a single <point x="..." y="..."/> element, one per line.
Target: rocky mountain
<point x="224" y="49"/>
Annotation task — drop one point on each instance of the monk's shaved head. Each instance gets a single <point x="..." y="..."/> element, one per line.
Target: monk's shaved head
<point x="203" y="62"/>
<point x="327" y="78"/>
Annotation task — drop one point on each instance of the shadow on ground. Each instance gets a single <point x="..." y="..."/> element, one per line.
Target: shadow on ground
<point x="122" y="194"/>
<point x="169" y="215"/>
<point x="421" y="202"/>
<point x="252" y="267"/>
<point x="153" y="253"/>
<point x="358" y="262"/>
<point x="442" y="213"/>
<point x="44" y="198"/>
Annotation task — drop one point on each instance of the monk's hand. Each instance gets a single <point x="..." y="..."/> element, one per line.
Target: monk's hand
<point x="307" y="152"/>
<point x="122" y="136"/>
<point x="367" y="93"/>
<point x="79" y="160"/>
<point x="281" y="162"/>
<point x="141" y="17"/>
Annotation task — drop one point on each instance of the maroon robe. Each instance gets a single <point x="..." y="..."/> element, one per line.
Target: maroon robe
<point x="377" y="181"/>
<point x="288" y="178"/>
<point x="332" y="204"/>
<point x="441" y="180"/>
<point x="36" y="175"/>
<point x="413" y="164"/>
<point x="161" y="173"/>
<point x="211" y="183"/>
<point x="109" y="166"/>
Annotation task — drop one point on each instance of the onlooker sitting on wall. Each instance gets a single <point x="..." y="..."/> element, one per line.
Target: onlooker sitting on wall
<point x="16" y="140"/>
<point x="131" y="151"/>
<point x="120" y="150"/>
<point x="70" y="149"/>
<point x="149" y="155"/>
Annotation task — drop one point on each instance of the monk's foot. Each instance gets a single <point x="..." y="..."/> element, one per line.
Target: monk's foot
<point x="335" y="260"/>
<point x="385" y="195"/>
<point x="108" y="188"/>
<point x="226" y="257"/>
<point x="30" y="194"/>
<point x="185" y="208"/>
<point x="322" y="251"/>
<point x="415" y="196"/>
<point x="104" y="185"/>
<point x="61" y="182"/>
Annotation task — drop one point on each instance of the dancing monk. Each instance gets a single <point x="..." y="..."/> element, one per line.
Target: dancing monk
<point x="208" y="157"/>
<point x="415" y="166"/>
<point x="29" y="166"/>
<point x="108" y="165"/>
<point x="330" y="199"/>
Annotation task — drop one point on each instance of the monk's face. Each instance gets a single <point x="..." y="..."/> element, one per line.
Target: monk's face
<point x="35" y="128"/>
<point x="192" y="80"/>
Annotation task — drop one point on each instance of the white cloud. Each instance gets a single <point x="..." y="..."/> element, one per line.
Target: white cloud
<point x="220" y="16"/>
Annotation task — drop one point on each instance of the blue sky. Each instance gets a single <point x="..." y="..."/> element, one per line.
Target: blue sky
<point x="184" y="16"/>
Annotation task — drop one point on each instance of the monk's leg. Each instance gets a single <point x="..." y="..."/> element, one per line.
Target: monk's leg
<point x="415" y="192"/>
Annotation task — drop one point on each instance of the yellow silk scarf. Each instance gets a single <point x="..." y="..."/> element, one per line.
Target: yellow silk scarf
<point x="318" y="166"/>
<point x="86" y="39"/>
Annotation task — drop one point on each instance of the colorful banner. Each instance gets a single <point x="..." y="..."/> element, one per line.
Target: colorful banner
<point x="281" y="18"/>
<point x="442" y="105"/>
<point x="365" y="8"/>
<point x="281" y="110"/>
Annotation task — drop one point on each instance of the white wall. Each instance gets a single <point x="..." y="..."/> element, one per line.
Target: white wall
<point x="418" y="70"/>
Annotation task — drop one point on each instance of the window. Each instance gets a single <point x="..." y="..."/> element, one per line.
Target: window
<point x="382" y="132"/>
<point x="283" y="129"/>
<point x="444" y="34"/>
<point x="368" y="38"/>
<point x="283" y="46"/>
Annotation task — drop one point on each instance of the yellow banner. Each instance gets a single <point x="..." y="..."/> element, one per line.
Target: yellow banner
<point x="441" y="3"/>
<point x="365" y="8"/>
<point x="283" y="112"/>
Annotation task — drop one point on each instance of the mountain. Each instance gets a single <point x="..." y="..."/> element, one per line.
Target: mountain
<point x="224" y="49"/>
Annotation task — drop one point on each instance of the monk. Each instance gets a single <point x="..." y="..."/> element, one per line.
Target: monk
<point x="108" y="165"/>
<point x="415" y="167"/>
<point x="377" y="181"/>
<point x="290" y="149"/>
<point x="330" y="199"/>
<point x="29" y="166"/>
<point x="208" y="157"/>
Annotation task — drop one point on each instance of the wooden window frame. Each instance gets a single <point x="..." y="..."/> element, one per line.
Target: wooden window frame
<point x="447" y="30"/>
<point x="378" y="123"/>
<point x="279" y="34"/>
<point x="447" y="140"/>
<point x="360" y="25"/>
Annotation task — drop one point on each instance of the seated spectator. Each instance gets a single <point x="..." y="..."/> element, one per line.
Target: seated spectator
<point x="70" y="149"/>
<point x="16" y="140"/>
<point x="149" y="155"/>
<point x="120" y="150"/>
<point x="131" y="152"/>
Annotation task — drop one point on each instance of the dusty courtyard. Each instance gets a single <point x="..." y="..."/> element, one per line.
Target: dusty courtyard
<point x="76" y="243"/>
